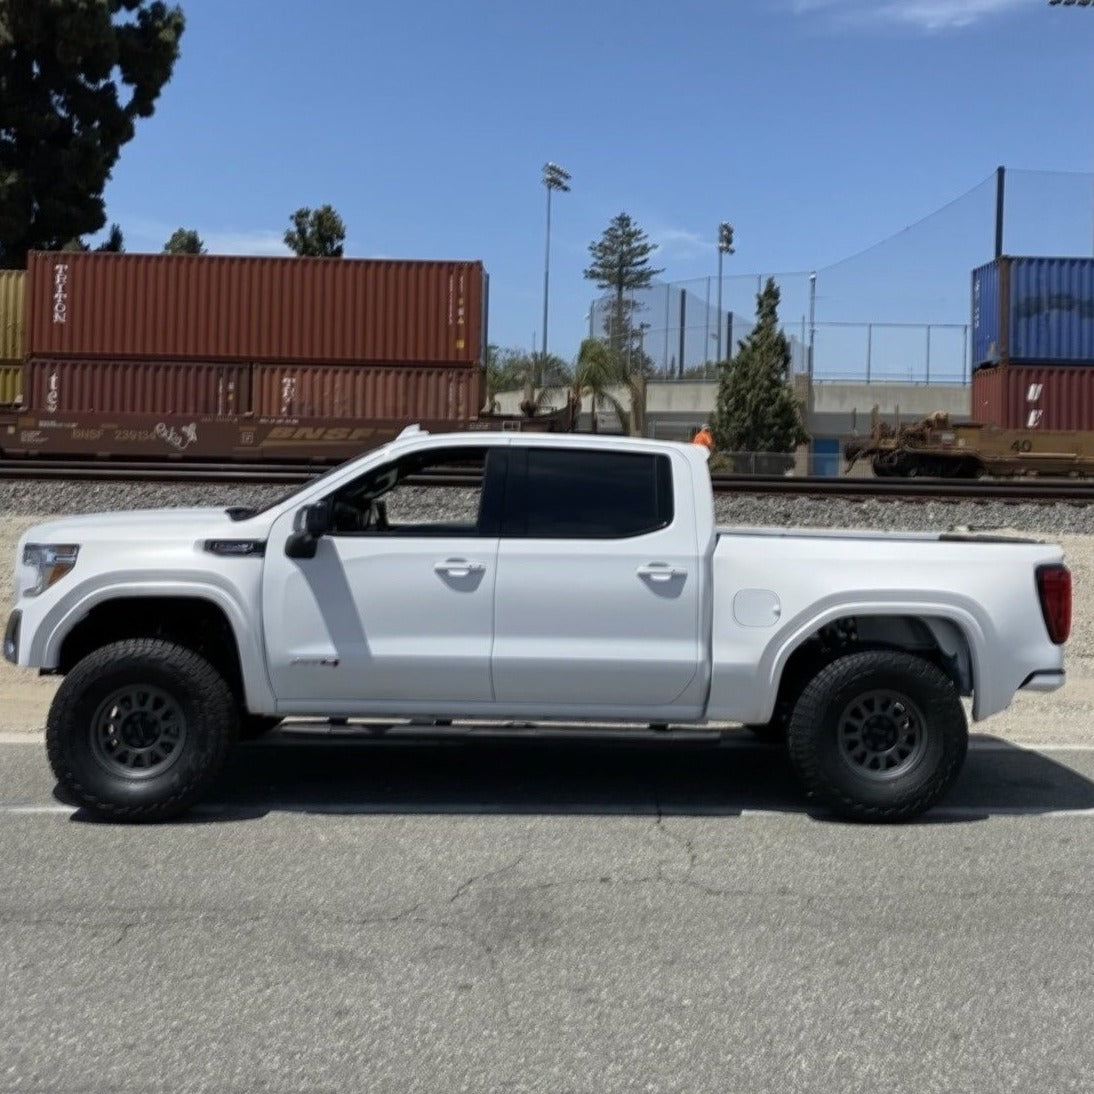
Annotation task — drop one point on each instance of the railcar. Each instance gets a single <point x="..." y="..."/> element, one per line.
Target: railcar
<point x="937" y="448"/>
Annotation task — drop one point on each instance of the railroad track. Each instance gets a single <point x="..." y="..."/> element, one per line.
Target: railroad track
<point x="1020" y="491"/>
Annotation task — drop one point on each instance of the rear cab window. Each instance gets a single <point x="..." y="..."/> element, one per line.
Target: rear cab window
<point x="565" y="493"/>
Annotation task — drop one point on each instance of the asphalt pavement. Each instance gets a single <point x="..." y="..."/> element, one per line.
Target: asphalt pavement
<point x="515" y="911"/>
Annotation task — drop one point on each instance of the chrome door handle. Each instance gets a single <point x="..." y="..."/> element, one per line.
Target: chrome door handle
<point x="660" y="571"/>
<point x="458" y="567"/>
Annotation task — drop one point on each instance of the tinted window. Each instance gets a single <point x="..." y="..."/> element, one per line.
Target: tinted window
<point x="595" y="495"/>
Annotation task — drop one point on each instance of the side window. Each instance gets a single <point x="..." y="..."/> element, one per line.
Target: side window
<point x="403" y="498"/>
<point x="575" y="494"/>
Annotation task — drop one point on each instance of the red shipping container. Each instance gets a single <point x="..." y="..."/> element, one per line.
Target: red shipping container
<point x="363" y="393"/>
<point x="138" y="387"/>
<point x="227" y="308"/>
<point x="1034" y="396"/>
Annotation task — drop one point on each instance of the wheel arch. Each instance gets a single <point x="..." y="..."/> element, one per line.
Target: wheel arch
<point x="204" y="620"/>
<point x="949" y="639"/>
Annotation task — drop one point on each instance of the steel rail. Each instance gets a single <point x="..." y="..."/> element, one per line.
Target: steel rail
<point x="1016" y="491"/>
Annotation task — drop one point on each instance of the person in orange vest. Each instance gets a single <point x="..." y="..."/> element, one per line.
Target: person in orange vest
<point x="705" y="438"/>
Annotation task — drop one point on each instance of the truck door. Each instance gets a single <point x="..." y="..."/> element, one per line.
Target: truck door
<point x="598" y="587"/>
<point x="394" y="609"/>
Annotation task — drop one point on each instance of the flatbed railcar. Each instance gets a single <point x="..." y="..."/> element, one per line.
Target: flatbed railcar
<point x="26" y="433"/>
<point x="937" y="448"/>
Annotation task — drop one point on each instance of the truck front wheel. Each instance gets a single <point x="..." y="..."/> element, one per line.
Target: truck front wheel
<point x="878" y="735"/>
<point x="139" y="729"/>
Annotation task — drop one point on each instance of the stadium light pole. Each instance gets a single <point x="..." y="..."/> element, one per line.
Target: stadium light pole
<point x="725" y="247"/>
<point x="554" y="178"/>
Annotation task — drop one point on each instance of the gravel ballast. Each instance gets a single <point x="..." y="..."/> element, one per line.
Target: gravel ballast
<point x="1059" y="518"/>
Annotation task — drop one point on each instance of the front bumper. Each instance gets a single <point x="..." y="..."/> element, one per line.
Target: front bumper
<point x="11" y="637"/>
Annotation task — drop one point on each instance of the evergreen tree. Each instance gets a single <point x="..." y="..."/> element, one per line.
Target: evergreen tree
<point x="74" y="78"/>
<point x="184" y="241"/>
<point x="316" y="233"/>
<point x="756" y="410"/>
<point x="621" y="264"/>
<point x="114" y="242"/>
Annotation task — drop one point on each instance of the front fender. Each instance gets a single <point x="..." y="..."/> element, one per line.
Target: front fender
<point x="53" y="626"/>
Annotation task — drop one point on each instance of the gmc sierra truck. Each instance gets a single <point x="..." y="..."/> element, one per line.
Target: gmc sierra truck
<point x="576" y="578"/>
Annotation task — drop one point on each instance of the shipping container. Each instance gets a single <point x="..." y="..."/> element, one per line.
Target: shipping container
<point x="1033" y="310"/>
<point x="13" y="334"/>
<point x="138" y="387"/>
<point x="365" y="392"/>
<point x="1052" y="397"/>
<point x="11" y="383"/>
<point x="223" y="308"/>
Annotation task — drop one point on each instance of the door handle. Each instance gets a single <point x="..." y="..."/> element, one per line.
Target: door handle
<point x="660" y="571"/>
<point x="458" y="567"/>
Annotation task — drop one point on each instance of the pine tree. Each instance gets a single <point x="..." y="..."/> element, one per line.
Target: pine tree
<point x="757" y="411"/>
<point x="621" y="264"/>
<point x="75" y="78"/>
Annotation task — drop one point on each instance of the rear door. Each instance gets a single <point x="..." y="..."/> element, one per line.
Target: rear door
<point x="597" y="602"/>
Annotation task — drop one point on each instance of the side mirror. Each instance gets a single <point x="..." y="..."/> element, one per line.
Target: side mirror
<point x="315" y="519"/>
<point x="309" y="526"/>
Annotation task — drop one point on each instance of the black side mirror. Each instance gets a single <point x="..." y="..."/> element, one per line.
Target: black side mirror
<point x="316" y="519"/>
<point x="309" y="526"/>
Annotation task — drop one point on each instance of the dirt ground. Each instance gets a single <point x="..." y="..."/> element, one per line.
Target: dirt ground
<point x="1065" y="716"/>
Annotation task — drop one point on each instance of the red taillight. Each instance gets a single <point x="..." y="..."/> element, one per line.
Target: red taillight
<point x="1054" y="589"/>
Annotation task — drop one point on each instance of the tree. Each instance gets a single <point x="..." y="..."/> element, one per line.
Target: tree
<point x="316" y="233"/>
<point x="184" y="241"/>
<point x="509" y="369"/>
<point x="74" y="78"/>
<point x="114" y="242"/>
<point x="621" y="264"/>
<point x="756" y="410"/>
<point x="597" y="371"/>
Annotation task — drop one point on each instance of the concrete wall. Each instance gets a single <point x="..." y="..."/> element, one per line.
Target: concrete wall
<point x="675" y="409"/>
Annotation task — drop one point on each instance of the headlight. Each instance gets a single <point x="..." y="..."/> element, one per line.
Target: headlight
<point x="51" y="561"/>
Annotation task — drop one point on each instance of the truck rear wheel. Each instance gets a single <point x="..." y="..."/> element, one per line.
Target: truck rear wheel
<point x="878" y="735"/>
<point x="139" y="729"/>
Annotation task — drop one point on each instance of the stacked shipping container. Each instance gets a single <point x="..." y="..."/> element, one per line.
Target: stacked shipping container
<point x="1033" y="310"/>
<point x="1034" y="396"/>
<point x="222" y="336"/>
<point x="1033" y="343"/>
<point x="222" y="308"/>
<point x="12" y="335"/>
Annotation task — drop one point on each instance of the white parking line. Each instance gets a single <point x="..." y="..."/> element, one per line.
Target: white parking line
<point x="31" y="809"/>
<point x="213" y="809"/>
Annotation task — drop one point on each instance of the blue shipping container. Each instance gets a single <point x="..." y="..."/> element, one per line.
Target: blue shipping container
<point x="1030" y="310"/>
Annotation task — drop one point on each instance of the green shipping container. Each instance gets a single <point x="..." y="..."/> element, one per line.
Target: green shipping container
<point x="13" y="327"/>
<point x="11" y="382"/>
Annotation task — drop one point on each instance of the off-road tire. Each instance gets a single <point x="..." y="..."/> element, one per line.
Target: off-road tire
<point x="878" y="736"/>
<point x="95" y="747"/>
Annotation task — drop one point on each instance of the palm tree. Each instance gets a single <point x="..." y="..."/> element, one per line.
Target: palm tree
<point x="600" y="368"/>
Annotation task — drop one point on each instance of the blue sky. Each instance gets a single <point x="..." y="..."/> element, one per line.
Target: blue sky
<point x="817" y="127"/>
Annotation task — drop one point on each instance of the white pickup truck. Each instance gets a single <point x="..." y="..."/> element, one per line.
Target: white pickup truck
<point x="580" y="578"/>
